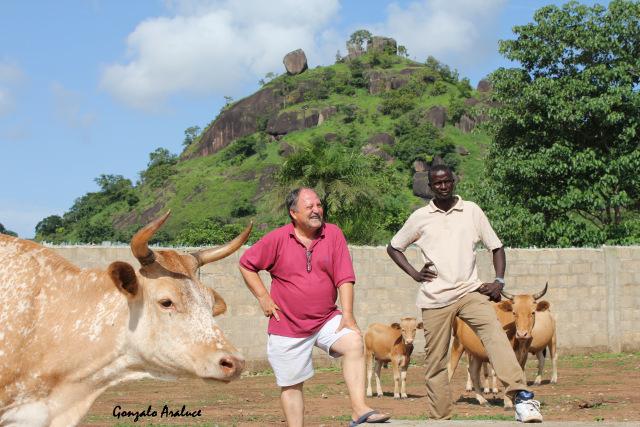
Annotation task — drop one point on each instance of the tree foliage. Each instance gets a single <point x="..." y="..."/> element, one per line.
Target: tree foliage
<point x="360" y="38"/>
<point x="566" y="148"/>
<point x="8" y="232"/>
<point x="160" y="168"/>
<point x="359" y="192"/>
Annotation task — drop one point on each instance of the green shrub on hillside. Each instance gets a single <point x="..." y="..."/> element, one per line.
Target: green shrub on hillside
<point x="161" y="167"/>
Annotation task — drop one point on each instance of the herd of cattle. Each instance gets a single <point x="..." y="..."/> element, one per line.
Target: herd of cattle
<point x="67" y="334"/>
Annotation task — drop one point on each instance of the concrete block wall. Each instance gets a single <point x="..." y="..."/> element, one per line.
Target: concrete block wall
<point x="594" y="293"/>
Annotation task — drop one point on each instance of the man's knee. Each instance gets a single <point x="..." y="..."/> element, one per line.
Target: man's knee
<point x="351" y="344"/>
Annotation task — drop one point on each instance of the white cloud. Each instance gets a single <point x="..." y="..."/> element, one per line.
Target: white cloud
<point x="11" y="76"/>
<point x="214" y="47"/>
<point x="454" y="31"/>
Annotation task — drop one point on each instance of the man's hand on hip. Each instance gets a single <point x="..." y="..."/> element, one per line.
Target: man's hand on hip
<point x="427" y="274"/>
<point x="269" y="308"/>
<point x="492" y="290"/>
<point x="348" y="321"/>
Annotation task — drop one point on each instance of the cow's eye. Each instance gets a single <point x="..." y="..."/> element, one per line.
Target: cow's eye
<point x="166" y="303"/>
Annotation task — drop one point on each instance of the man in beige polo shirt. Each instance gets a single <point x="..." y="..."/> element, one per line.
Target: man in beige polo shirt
<point x="447" y="231"/>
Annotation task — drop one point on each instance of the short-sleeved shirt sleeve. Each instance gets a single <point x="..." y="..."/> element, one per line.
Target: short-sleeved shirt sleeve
<point x="342" y="264"/>
<point x="261" y="255"/>
<point x="486" y="233"/>
<point x="408" y="234"/>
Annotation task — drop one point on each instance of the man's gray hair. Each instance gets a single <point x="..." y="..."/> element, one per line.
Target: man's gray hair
<point x="291" y="201"/>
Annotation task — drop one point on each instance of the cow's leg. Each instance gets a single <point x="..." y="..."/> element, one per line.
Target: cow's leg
<point x="34" y="414"/>
<point x="494" y="381"/>
<point x="540" y="357"/>
<point x="403" y="382"/>
<point x="370" y="361"/>
<point x="553" y="355"/>
<point x="475" y="365"/>
<point x="454" y="358"/>
<point x="485" y="377"/>
<point x="469" y="385"/>
<point x="395" y="365"/>
<point x="378" y="371"/>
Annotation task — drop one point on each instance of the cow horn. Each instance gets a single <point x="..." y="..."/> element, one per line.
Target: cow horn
<point x="139" y="242"/>
<point x="541" y="293"/>
<point x="507" y="295"/>
<point x="206" y="256"/>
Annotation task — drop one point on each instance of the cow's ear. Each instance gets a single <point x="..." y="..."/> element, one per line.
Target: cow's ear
<point x="219" y="306"/>
<point x="543" y="305"/>
<point x="420" y="325"/>
<point x="396" y="326"/>
<point x="124" y="277"/>
<point x="505" y="306"/>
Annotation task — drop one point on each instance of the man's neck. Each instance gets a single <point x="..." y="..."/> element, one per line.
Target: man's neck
<point x="445" y="204"/>
<point x="305" y="233"/>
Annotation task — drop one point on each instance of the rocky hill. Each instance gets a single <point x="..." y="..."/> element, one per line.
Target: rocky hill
<point x="373" y="109"/>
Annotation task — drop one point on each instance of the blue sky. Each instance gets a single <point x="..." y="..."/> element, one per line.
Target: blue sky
<point x="90" y="87"/>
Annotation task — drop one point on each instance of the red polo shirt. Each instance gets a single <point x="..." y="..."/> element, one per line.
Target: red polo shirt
<point x="306" y="296"/>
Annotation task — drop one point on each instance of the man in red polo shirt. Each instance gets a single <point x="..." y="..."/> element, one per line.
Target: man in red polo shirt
<point x="309" y="264"/>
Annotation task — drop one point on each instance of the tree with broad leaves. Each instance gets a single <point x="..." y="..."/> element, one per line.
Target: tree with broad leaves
<point x="565" y="155"/>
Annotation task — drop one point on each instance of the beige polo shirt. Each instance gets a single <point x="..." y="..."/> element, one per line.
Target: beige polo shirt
<point x="449" y="240"/>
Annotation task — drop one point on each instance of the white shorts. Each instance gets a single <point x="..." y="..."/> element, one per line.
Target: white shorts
<point x="290" y="357"/>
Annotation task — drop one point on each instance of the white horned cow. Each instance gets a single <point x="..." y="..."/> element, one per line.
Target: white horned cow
<point x="390" y="344"/>
<point x="67" y="334"/>
<point x="529" y="326"/>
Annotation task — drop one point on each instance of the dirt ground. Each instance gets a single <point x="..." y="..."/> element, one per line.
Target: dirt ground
<point x="596" y="387"/>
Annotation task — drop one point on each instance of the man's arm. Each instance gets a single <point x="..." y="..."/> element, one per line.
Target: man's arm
<point x="492" y="289"/>
<point x="424" y="275"/>
<point x="259" y="290"/>
<point x="345" y="292"/>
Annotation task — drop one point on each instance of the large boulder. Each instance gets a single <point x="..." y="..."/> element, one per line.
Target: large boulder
<point x="437" y="116"/>
<point x="397" y="82"/>
<point x="295" y="62"/>
<point x="354" y="50"/>
<point x="380" y="139"/>
<point x="325" y="113"/>
<point x="420" y="166"/>
<point x="241" y="119"/>
<point x="466" y="124"/>
<point x="291" y="121"/>
<point x="374" y="150"/>
<point x="421" y="185"/>
<point x="382" y="45"/>
<point x="484" y="86"/>
<point x="377" y="82"/>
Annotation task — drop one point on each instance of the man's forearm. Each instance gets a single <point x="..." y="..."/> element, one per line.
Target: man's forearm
<point x="253" y="282"/>
<point x="499" y="262"/>
<point x="401" y="261"/>
<point x="345" y="292"/>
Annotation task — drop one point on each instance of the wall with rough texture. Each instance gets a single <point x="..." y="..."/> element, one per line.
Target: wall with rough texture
<point x="594" y="293"/>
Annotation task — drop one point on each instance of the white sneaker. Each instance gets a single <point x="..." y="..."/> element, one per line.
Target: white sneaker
<point x="528" y="411"/>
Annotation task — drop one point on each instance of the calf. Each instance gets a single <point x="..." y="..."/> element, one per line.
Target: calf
<point x="67" y="334"/>
<point x="518" y="315"/>
<point x="390" y="344"/>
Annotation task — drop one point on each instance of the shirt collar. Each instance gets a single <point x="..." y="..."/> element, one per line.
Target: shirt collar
<point x="292" y="232"/>
<point x="459" y="206"/>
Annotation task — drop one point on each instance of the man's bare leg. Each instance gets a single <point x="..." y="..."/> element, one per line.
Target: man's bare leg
<point x="292" y="399"/>
<point x="351" y="348"/>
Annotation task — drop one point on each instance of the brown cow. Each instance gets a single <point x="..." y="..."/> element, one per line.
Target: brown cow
<point x="518" y="316"/>
<point x="390" y="344"/>
<point x="67" y="334"/>
<point x="542" y="336"/>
